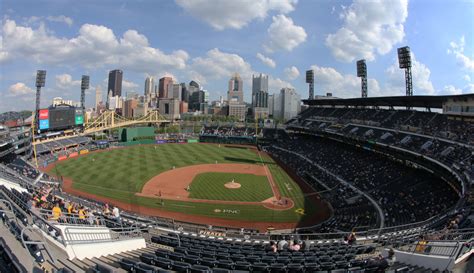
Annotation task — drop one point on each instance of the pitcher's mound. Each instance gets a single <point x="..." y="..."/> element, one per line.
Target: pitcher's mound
<point x="232" y="185"/>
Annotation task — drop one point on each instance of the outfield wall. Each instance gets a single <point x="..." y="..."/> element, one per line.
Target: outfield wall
<point x="228" y="139"/>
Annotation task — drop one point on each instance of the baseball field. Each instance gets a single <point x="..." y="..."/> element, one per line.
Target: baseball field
<point x="202" y="183"/>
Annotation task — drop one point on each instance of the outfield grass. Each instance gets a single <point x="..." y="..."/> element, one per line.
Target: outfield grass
<point x="120" y="173"/>
<point x="254" y="188"/>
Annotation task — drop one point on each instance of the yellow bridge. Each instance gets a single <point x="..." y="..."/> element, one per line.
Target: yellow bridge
<point x="109" y="120"/>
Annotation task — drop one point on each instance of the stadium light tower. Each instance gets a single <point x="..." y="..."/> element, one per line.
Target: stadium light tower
<point x="310" y="80"/>
<point x="84" y="86"/>
<point x="362" y="73"/>
<point x="404" y="61"/>
<point x="40" y="81"/>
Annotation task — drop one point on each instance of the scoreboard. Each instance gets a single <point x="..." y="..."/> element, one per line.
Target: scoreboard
<point x="60" y="118"/>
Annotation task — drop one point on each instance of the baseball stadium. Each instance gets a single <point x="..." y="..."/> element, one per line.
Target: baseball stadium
<point x="354" y="185"/>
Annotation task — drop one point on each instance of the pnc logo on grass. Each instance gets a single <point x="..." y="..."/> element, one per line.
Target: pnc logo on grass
<point x="300" y="211"/>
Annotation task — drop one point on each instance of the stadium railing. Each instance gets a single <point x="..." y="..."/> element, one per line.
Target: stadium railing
<point x="87" y="235"/>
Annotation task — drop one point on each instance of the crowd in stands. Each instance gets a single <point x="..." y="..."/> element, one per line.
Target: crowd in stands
<point x="61" y="144"/>
<point x="23" y="168"/>
<point x="435" y="135"/>
<point x="405" y="195"/>
<point x="428" y="123"/>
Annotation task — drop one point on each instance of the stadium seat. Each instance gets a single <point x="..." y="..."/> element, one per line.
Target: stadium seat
<point x="162" y="253"/>
<point x="103" y="268"/>
<point x="164" y="263"/>
<point x="145" y="268"/>
<point x="326" y="266"/>
<point x="192" y="259"/>
<point x="355" y="270"/>
<point x="200" y="269"/>
<point x="221" y="270"/>
<point x="148" y="258"/>
<point x="181" y="267"/>
<point x="176" y="256"/>
<point x="253" y="259"/>
<point x="211" y="262"/>
<point x="127" y="264"/>
<point x="241" y="265"/>
<point x="227" y="264"/>
<point x="277" y="268"/>
<point x="260" y="267"/>
<point x="295" y="268"/>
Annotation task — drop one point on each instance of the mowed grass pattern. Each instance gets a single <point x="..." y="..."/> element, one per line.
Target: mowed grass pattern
<point x="120" y="173"/>
<point x="254" y="188"/>
<point x="130" y="168"/>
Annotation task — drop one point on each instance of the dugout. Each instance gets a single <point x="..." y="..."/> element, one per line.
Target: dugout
<point x="136" y="133"/>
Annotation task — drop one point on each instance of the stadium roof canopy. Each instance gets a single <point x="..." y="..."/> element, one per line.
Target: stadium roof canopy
<point x="397" y="101"/>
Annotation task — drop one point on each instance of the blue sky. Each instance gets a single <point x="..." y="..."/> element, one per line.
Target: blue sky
<point x="209" y="40"/>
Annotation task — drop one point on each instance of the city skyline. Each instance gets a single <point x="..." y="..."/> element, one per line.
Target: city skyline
<point x="206" y="43"/>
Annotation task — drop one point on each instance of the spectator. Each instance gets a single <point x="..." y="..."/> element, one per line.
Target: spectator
<point x="351" y="239"/>
<point x="295" y="246"/>
<point x="56" y="212"/>
<point x="421" y="246"/>
<point x="391" y="259"/>
<point x="282" y="245"/>
<point x="92" y="218"/>
<point x="272" y="247"/>
<point x="106" y="209"/>
<point x="306" y="244"/>
<point x="82" y="213"/>
<point x="116" y="214"/>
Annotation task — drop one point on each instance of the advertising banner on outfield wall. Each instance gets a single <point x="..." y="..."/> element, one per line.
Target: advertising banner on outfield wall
<point x="43" y="124"/>
<point x="43" y="114"/>
<point x="193" y="140"/>
<point x="160" y="141"/>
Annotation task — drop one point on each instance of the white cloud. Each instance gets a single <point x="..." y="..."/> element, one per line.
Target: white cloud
<point x="276" y="84"/>
<point x="95" y="46"/>
<point x="129" y="84"/>
<point x="217" y="64"/>
<point x="467" y="78"/>
<point x="266" y="60"/>
<point x="61" y="19"/>
<point x="329" y="80"/>
<point x="451" y="90"/>
<point x="64" y="81"/>
<point x="20" y="89"/>
<point x="292" y="73"/>
<point x="457" y="49"/>
<point x="422" y="84"/>
<point x="222" y="14"/>
<point x="283" y="34"/>
<point x="369" y="28"/>
<point x="221" y="65"/>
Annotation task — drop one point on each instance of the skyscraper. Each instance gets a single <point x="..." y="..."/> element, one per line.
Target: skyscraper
<point x="163" y="87"/>
<point x="235" y="91"/>
<point x="290" y="103"/>
<point x="98" y="96"/>
<point x="260" y="96"/>
<point x="115" y="82"/>
<point x="259" y="83"/>
<point x="149" y="89"/>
